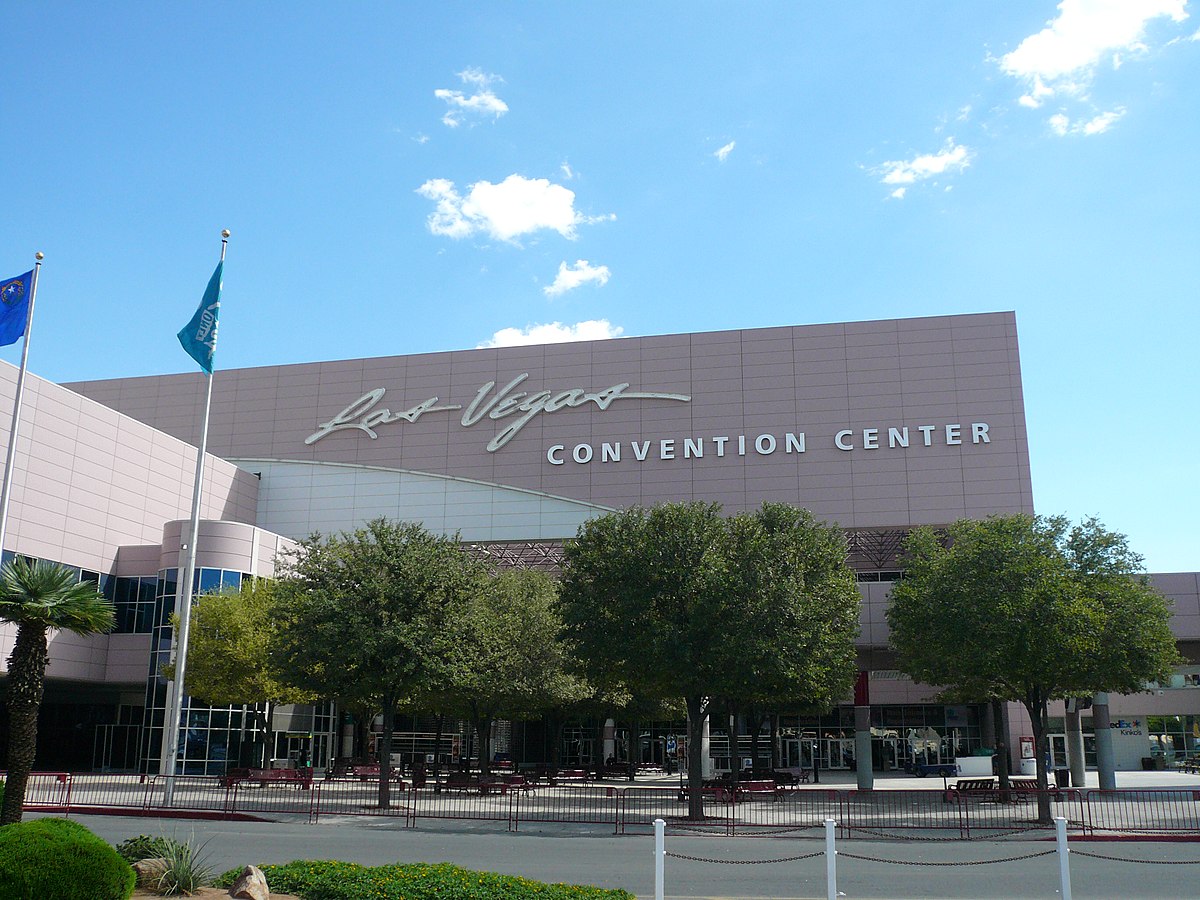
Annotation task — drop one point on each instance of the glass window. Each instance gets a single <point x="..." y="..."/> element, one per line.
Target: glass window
<point x="231" y="579"/>
<point x="210" y="580"/>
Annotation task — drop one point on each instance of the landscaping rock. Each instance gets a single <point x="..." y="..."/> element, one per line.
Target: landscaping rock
<point x="149" y="871"/>
<point x="251" y="885"/>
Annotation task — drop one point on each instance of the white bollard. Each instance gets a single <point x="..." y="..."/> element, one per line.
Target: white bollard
<point x="830" y="860"/>
<point x="1064" y="864"/>
<point x="660" y="857"/>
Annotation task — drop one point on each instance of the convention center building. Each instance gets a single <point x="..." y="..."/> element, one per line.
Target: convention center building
<point x="876" y="426"/>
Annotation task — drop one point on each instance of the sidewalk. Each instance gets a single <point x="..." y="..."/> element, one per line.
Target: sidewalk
<point x="578" y="855"/>
<point x="902" y="781"/>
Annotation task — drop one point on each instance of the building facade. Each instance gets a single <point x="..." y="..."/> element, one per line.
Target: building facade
<point x="875" y="426"/>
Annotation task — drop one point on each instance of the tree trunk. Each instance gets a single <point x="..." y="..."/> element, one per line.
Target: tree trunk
<point x="385" y="753"/>
<point x="26" y="675"/>
<point x="556" y="733"/>
<point x="1036" y="706"/>
<point x="437" y="750"/>
<point x="697" y="714"/>
<point x="635" y="749"/>
<point x="1001" y="748"/>
<point x="754" y="722"/>
<point x="267" y="743"/>
<point x="483" y="728"/>
<point x="775" y="741"/>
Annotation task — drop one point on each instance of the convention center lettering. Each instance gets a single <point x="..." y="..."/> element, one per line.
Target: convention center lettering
<point x="366" y="414"/>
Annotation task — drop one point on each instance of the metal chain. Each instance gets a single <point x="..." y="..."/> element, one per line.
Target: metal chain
<point x="743" y="862"/>
<point x="700" y="829"/>
<point x="945" y="840"/>
<point x="1152" y="862"/>
<point x="973" y="862"/>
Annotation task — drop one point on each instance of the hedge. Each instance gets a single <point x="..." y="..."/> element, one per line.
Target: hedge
<point x="333" y="880"/>
<point x="56" y="859"/>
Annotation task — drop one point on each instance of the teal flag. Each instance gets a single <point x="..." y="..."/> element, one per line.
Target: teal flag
<point x="199" y="336"/>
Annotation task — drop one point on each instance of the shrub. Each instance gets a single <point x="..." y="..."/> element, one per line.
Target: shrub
<point x="187" y="868"/>
<point x="332" y="880"/>
<point x="142" y="847"/>
<point x="56" y="859"/>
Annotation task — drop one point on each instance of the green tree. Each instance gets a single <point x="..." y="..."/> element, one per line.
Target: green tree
<point x="790" y="619"/>
<point x="675" y="601"/>
<point x="1029" y="609"/>
<point x="229" y="660"/>
<point x="38" y="597"/>
<point x="363" y="617"/>
<point x="506" y="657"/>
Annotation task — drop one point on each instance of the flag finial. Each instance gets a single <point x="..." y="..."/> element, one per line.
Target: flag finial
<point x="225" y="233"/>
<point x="39" y="256"/>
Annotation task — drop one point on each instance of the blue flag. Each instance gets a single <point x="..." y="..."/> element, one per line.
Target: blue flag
<point x="14" y="307"/>
<point x="199" y="336"/>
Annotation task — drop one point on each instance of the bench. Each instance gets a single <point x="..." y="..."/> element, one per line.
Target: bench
<point x="466" y="781"/>
<point x="301" y="778"/>
<point x="578" y="775"/>
<point x="518" y="782"/>
<point x="970" y="787"/>
<point x="988" y="788"/>
<point x="747" y="789"/>
<point x="362" y="772"/>
<point x="725" y="791"/>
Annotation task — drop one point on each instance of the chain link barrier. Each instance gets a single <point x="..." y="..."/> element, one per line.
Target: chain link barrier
<point x="970" y="862"/>
<point x="896" y="836"/>
<point x="1149" y="862"/>
<point x="743" y="862"/>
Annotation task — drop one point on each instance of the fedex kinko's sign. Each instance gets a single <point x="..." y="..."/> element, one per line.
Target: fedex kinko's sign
<point x="367" y="414"/>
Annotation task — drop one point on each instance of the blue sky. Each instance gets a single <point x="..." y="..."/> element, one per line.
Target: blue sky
<point x="410" y="177"/>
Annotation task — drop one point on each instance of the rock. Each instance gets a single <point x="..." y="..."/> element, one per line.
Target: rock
<point x="149" y="871"/>
<point x="251" y="885"/>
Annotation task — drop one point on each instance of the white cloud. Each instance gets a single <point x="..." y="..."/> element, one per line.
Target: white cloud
<point x="553" y="333"/>
<point x="567" y="171"/>
<point x="422" y="138"/>
<point x="479" y="105"/>
<point x="1062" y="125"/>
<point x="1062" y="57"/>
<point x="1037" y="95"/>
<point x="723" y="153"/>
<point x="1103" y="122"/>
<point x="571" y="277"/>
<point x="951" y="158"/>
<point x="898" y="193"/>
<point x="516" y="206"/>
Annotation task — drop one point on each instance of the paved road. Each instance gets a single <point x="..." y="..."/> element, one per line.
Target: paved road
<point x="579" y="855"/>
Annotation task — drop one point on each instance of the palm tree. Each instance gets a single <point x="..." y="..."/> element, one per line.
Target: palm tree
<point x="37" y="597"/>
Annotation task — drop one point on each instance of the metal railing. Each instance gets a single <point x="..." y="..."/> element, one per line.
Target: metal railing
<point x="922" y="815"/>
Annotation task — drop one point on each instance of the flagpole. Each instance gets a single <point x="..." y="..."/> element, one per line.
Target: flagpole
<point x="183" y="606"/>
<point x="11" y="457"/>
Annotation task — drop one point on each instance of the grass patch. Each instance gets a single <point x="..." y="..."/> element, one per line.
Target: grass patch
<point x="332" y="880"/>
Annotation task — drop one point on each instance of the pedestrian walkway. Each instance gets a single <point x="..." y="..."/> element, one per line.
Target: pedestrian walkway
<point x="734" y="867"/>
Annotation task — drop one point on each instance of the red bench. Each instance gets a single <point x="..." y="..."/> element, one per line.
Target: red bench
<point x="747" y="789"/>
<point x="301" y="778"/>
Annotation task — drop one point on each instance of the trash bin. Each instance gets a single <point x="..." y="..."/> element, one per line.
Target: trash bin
<point x="1062" y="777"/>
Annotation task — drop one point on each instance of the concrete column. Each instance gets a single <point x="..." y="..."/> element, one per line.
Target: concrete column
<point x="1105" y="761"/>
<point x="610" y="739"/>
<point x="706" y="749"/>
<point x="864" y="763"/>
<point x="862" y="748"/>
<point x="1075" y="759"/>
